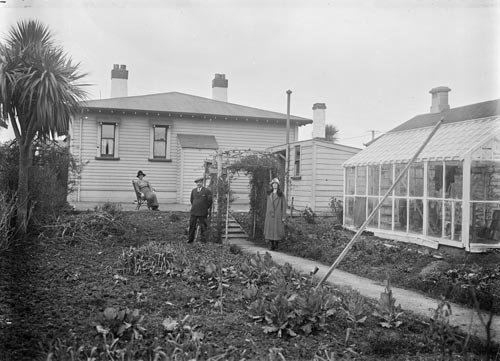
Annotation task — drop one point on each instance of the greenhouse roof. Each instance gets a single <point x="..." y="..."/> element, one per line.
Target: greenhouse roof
<point x="452" y="141"/>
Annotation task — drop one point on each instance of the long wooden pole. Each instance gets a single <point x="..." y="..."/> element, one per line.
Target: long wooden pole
<point x="374" y="211"/>
<point x="287" y="173"/>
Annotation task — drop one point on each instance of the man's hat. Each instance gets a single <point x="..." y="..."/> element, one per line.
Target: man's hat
<point x="140" y="173"/>
<point x="198" y="180"/>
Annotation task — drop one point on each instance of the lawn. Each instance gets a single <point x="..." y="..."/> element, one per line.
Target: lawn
<point x="125" y="286"/>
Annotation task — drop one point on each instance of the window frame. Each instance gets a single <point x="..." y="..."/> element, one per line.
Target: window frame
<point x="99" y="155"/>
<point x="297" y="160"/>
<point x="168" y="140"/>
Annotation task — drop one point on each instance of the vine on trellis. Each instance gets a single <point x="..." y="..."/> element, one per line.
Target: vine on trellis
<point x="261" y="167"/>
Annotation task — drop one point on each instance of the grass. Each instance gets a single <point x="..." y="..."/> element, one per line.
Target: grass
<point x="125" y="286"/>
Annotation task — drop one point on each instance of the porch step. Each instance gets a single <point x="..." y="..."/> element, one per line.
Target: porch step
<point x="234" y="231"/>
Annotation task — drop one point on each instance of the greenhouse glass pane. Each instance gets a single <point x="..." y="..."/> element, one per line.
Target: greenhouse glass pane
<point x="361" y="181"/>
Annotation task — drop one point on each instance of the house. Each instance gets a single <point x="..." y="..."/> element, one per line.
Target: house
<point x="169" y="136"/>
<point x="316" y="172"/>
<point x="449" y="196"/>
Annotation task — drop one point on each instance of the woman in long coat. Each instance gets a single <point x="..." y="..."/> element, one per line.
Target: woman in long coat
<point x="274" y="228"/>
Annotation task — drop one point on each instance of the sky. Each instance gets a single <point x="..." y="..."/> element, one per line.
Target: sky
<point x="371" y="62"/>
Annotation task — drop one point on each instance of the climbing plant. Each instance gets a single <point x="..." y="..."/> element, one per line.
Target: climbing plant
<point x="260" y="167"/>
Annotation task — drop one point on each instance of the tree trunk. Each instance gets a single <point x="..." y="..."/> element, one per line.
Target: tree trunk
<point x="25" y="157"/>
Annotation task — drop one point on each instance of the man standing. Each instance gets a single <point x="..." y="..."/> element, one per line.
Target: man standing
<point x="201" y="201"/>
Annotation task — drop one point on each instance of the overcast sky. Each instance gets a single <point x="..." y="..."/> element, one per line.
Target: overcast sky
<point x="371" y="62"/>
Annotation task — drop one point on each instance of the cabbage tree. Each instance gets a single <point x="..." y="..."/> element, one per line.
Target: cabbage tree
<point x="39" y="93"/>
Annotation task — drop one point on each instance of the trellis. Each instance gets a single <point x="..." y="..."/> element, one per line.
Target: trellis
<point x="261" y="166"/>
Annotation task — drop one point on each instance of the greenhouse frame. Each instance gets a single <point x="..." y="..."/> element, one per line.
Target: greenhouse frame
<point x="449" y="196"/>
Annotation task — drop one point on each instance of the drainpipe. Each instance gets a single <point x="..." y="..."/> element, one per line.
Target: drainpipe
<point x="80" y="161"/>
<point x="287" y="181"/>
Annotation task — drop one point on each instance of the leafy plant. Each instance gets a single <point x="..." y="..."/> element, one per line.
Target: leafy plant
<point x="387" y="309"/>
<point x="337" y="207"/>
<point x="440" y="329"/>
<point x="354" y="307"/>
<point x="312" y="309"/>
<point x="309" y="215"/>
<point x="278" y="315"/>
<point x="153" y="258"/>
<point x="124" y="324"/>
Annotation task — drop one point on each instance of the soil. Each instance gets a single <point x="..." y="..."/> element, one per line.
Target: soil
<point x="57" y="288"/>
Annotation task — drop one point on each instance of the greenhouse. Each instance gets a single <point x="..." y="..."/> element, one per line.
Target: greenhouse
<point x="449" y="196"/>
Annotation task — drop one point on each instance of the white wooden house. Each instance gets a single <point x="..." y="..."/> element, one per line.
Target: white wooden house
<point x="449" y="196"/>
<point x="316" y="172"/>
<point x="169" y="136"/>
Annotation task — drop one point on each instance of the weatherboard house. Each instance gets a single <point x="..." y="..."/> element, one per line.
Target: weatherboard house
<point x="169" y="136"/>
<point x="316" y="173"/>
<point x="451" y="193"/>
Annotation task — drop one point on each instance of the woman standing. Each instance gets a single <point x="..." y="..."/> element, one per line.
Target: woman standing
<point x="274" y="228"/>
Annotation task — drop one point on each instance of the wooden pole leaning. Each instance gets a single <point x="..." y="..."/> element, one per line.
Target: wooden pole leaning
<point x="374" y="211"/>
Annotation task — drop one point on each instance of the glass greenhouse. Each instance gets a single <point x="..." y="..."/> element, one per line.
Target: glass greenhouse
<point x="450" y="195"/>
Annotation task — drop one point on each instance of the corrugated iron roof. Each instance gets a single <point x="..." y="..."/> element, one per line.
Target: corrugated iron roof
<point x="197" y="141"/>
<point x="175" y="102"/>
<point x="458" y="114"/>
<point x="452" y="141"/>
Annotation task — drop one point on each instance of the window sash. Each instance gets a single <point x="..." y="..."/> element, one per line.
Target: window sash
<point x="160" y="141"/>
<point x="108" y="132"/>
<point x="297" y="160"/>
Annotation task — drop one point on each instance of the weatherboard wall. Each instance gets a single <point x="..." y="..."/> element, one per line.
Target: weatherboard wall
<point x="110" y="179"/>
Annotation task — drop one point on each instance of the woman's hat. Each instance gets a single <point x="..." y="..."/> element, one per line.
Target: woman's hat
<point x="275" y="180"/>
<point x="140" y="173"/>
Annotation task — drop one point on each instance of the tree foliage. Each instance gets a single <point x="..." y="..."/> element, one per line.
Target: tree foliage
<point x="331" y="133"/>
<point x="39" y="93"/>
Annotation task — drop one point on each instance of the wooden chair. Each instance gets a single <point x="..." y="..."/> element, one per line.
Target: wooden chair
<point x="140" y="200"/>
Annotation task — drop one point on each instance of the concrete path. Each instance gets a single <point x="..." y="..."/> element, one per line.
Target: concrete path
<point x="466" y="319"/>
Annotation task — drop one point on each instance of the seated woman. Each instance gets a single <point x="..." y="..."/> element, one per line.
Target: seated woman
<point x="147" y="191"/>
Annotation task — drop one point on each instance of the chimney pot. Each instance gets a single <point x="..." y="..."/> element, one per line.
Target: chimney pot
<point x="439" y="99"/>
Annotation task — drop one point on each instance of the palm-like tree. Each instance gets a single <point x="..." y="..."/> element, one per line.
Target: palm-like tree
<point x="331" y="133"/>
<point x="38" y="95"/>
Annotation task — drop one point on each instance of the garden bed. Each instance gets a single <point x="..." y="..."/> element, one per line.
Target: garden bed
<point x="447" y="272"/>
<point x="126" y="286"/>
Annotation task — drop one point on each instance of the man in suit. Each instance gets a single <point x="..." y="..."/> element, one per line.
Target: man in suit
<point x="201" y="202"/>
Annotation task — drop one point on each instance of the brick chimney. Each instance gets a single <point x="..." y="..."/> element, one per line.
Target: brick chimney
<point x="119" y="78"/>
<point x="319" y="115"/>
<point x="439" y="99"/>
<point x="219" y="87"/>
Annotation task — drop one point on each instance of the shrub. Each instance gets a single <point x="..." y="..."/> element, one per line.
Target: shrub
<point x="8" y="206"/>
<point x="309" y="215"/>
<point x="49" y="181"/>
<point x="152" y="258"/>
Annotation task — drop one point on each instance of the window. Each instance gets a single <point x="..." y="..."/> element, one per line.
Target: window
<point x="160" y="142"/>
<point x="108" y="140"/>
<point x="297" y="161"/>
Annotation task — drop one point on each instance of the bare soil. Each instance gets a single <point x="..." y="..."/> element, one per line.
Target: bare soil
<point x="55" y="287"/>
